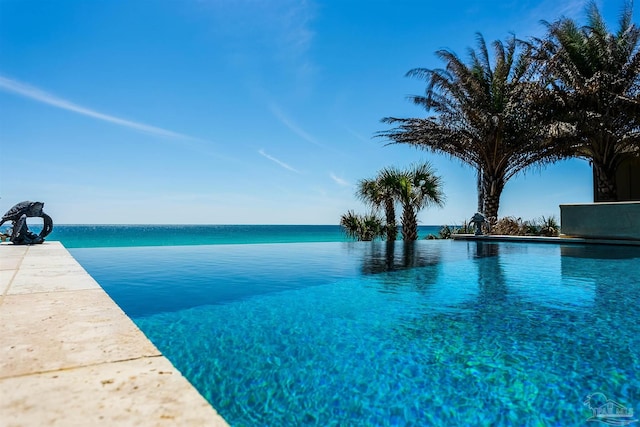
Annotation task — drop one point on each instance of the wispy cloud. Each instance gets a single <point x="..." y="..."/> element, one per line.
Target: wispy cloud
<point x="279" y="162"/>
<point x="357" y="135"/>
<point x="283" y="27"/>
<point x="22" y="89"/>
<point x="529" y="23"/>
<point x="284" y="24"/>
<point x="338" y="180"/>
<point x="285" y="120"/>
<point x="571" y="9"/>
<point x="296" y="26"/>
<point x="552" y="10"/>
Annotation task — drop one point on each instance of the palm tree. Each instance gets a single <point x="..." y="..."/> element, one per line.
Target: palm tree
<point x="415" y="189"/>
<point x="595" y="77"/>
<point x="362" y="227"/>
<point x="378" y="194"/>
<point x="489" y="117"/>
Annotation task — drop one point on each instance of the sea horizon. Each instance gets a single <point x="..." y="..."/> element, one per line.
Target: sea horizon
<point x="216" y="224"/>
<point x="130" y="235"/>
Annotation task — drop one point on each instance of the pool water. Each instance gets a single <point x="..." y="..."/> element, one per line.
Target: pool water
<point x="436" y="333"/>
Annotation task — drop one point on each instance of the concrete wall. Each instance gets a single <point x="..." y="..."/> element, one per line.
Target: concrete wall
<point x="619" y="220"/>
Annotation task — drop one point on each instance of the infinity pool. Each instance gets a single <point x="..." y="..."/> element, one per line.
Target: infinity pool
<point x="437" y="333"/>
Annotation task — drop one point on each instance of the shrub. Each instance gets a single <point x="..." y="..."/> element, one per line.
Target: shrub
<point x="511" y="226"/>
<point x="508" y="226"/>
<point x="362" y="227"/>
<point x="445" y="232"/>
<point x="549" y="227"/>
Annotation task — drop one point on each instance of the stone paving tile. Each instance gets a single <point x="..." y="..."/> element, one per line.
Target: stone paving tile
<point x="33" y="261"/>
<point x="59" y="330"/>
<point x="5" y="278"/>
<point x="11" y="256"/>
<point x="141" y="392"/>
<point x="48" y="249"/>
<point x="9" y="263"/>
<point x="58" y="278"/>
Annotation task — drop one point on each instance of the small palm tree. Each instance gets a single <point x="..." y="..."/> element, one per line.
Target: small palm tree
<point x="376" y="193"/>
<point x="415" y="189"/>
<point x="362" y="227"/>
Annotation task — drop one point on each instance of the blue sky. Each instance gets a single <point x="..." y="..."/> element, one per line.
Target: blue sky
<point x="240" y="111"/>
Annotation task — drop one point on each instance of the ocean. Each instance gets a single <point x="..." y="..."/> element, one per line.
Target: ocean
<point x="99" y="236"/>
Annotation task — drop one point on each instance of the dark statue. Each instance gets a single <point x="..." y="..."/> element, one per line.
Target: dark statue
<point x="20" y="234"/>
<point x="479" y="220"/>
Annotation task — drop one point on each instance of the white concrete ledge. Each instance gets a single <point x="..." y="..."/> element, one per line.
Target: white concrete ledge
<point x="69" y="356"/>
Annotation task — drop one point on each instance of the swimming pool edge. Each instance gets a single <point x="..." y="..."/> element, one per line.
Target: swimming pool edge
<point x="70" y="356"/>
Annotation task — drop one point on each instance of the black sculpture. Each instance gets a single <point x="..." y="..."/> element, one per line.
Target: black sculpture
<point x="20" y="234"/>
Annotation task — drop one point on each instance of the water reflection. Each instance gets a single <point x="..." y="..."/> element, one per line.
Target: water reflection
<point x="518" y="286"/>
<point x="402" y="266"/>
<point x="381" y="257"/>
<point x="492" y="285"/>
<point x="600" y="251"/>
<point x="479" y="249"/>
<point x="505" y="311"/>
<point x="609" y="270"/>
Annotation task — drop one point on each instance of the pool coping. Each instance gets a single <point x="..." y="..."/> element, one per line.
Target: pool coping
<point x="70" y="356"/>
<point x="542" y="239"/>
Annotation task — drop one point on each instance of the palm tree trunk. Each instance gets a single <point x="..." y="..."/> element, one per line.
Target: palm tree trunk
<point x="604" y="181"/>
<point x="409" y="224"/>
<point x="480" y="192"/>
<point x="492" y="204"/>
<point x="390" y="212"/>
<point x="492" y="191"/>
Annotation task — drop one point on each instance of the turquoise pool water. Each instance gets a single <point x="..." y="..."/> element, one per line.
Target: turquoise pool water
<point x="438" y="333"/>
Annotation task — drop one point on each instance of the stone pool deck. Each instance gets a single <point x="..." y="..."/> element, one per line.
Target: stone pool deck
<point x="69" y="356"/>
